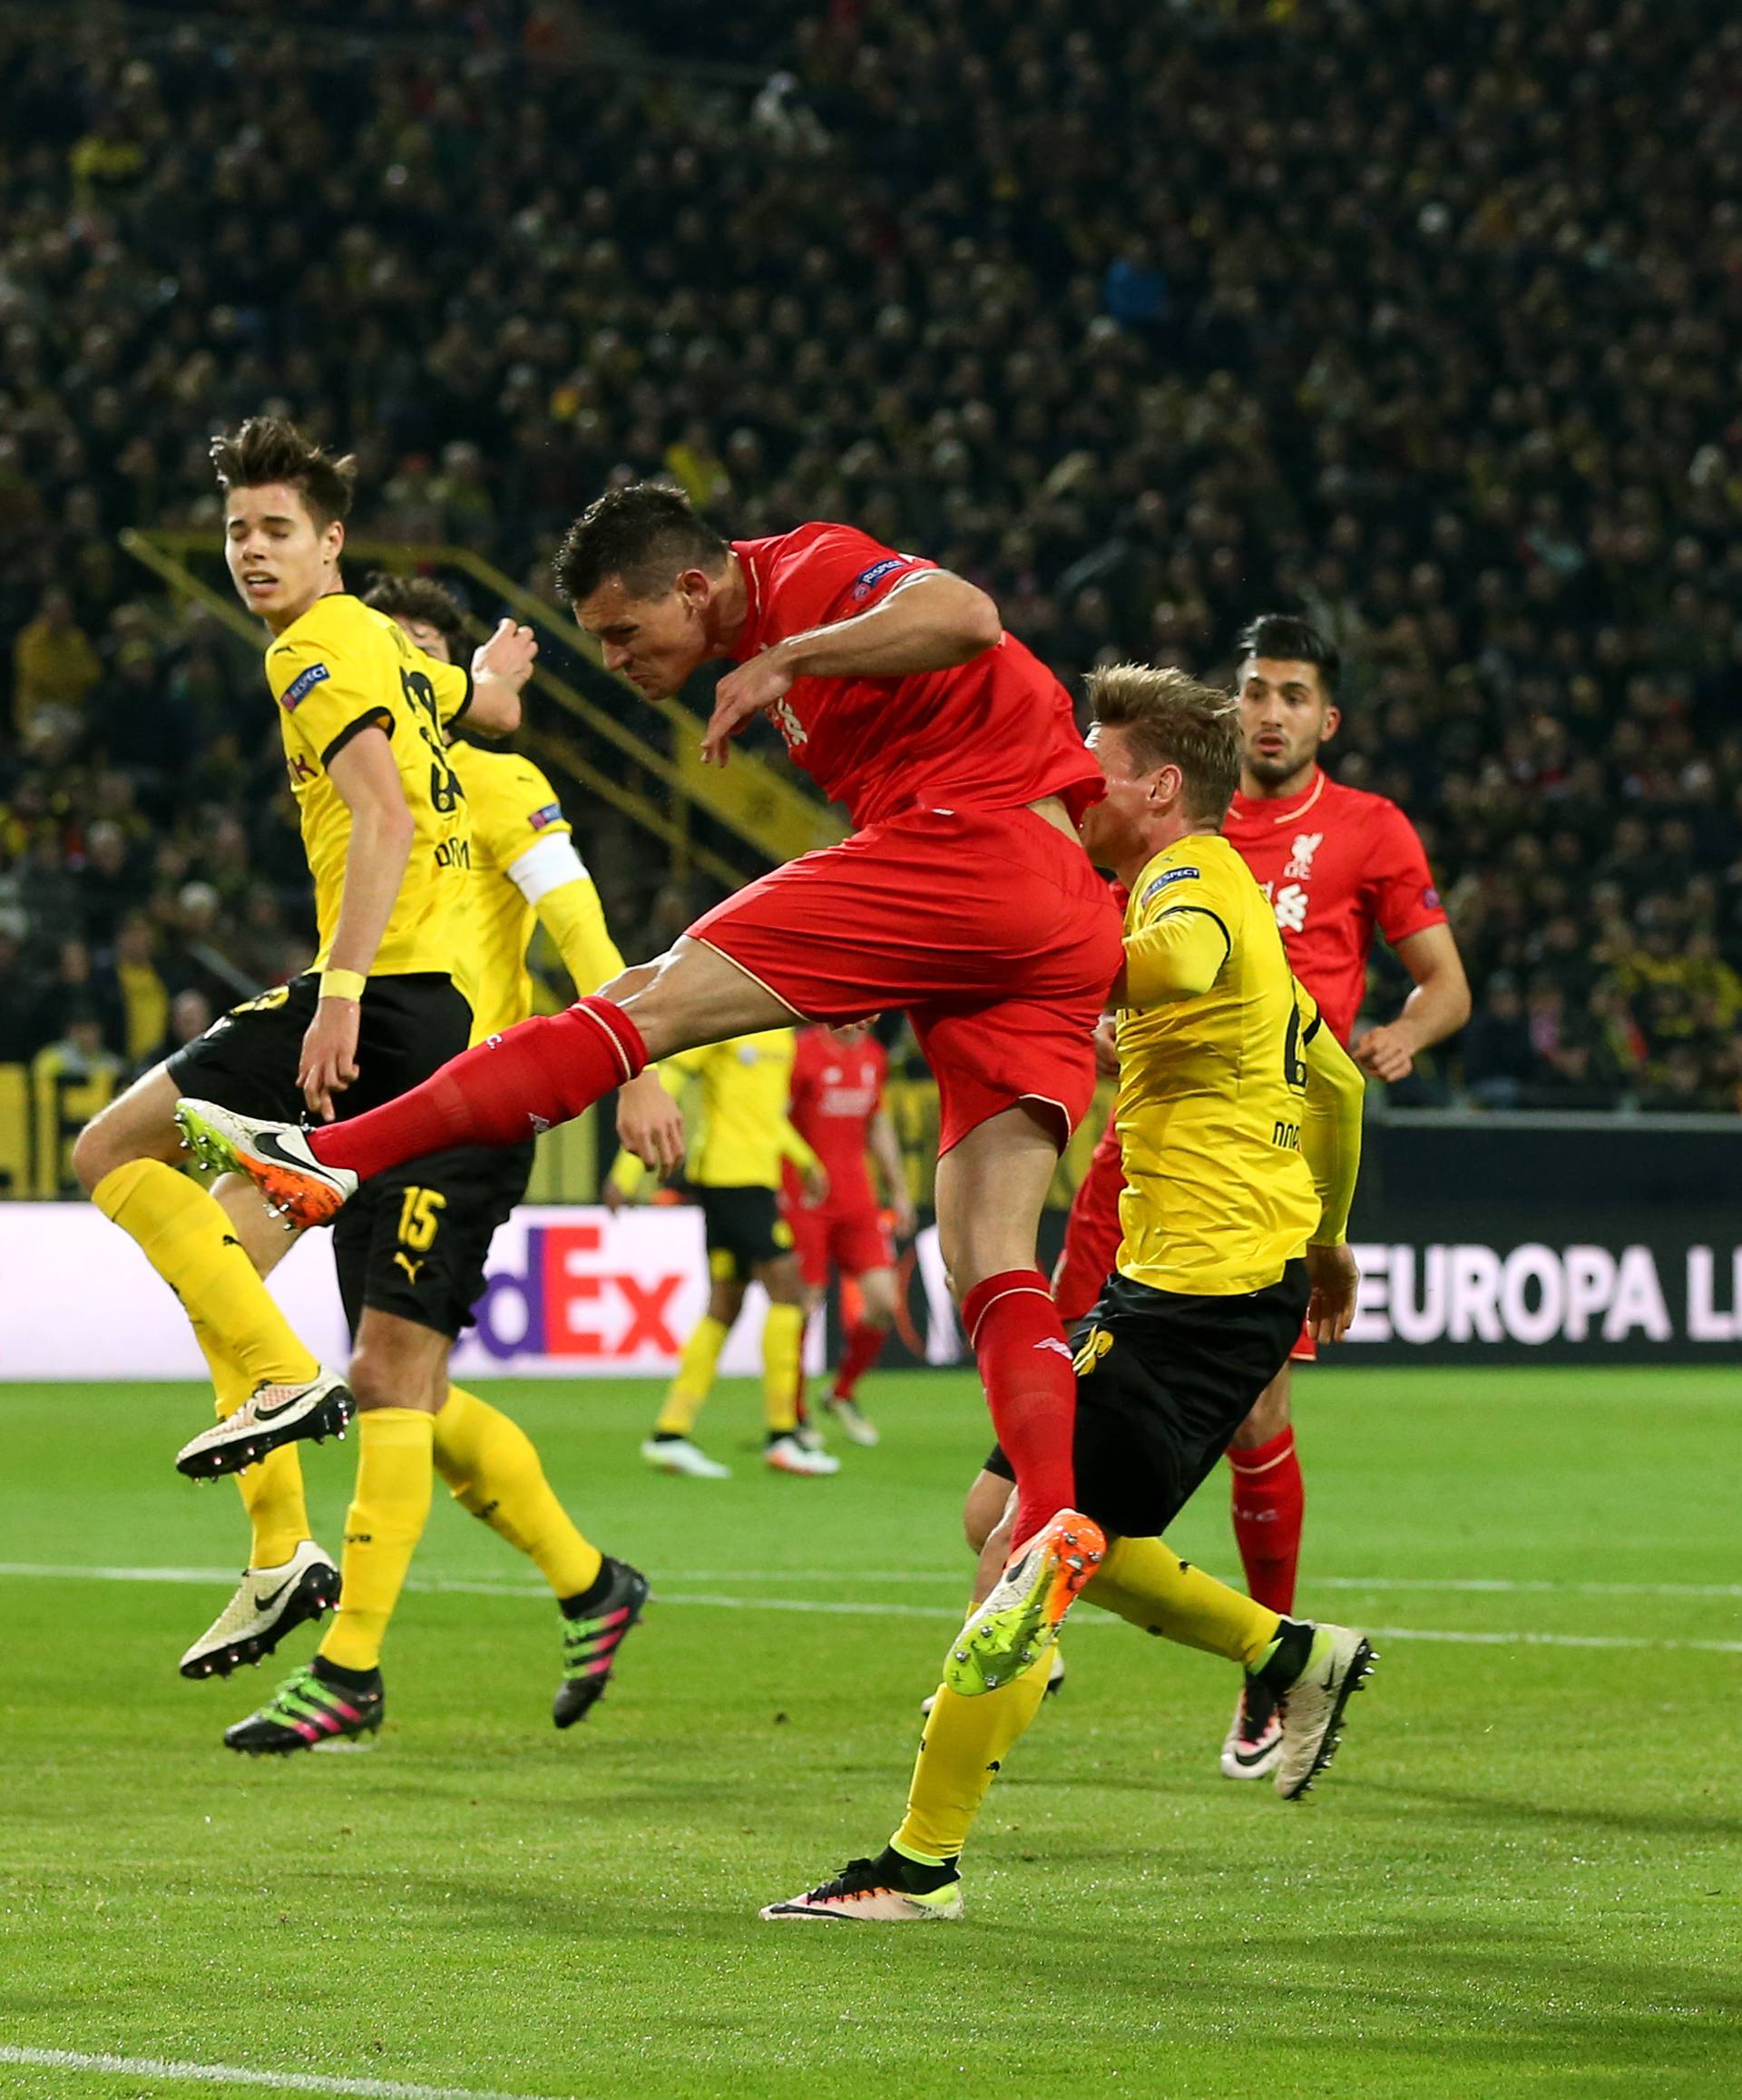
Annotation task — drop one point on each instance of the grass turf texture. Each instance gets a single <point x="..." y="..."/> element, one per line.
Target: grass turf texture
<point x="1523" y="1871"/>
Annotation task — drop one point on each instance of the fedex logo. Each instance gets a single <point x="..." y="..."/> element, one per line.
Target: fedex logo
<point x="565" y="1297"/>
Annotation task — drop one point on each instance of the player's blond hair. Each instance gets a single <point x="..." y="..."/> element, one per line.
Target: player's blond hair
<point x="1170" y="719"/>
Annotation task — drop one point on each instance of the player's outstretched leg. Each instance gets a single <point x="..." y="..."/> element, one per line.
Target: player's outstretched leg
<point x="268" y="1604"/>
<point x="531" y="1078"/>
<point x="275" y="1156"/>
<point x="1019" y="1622"/>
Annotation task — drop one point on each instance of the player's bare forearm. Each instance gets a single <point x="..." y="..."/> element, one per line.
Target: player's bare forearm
<point x="1437" y="1006"/>
<point x="930" y="623"/>
<point x="382" y="831"/>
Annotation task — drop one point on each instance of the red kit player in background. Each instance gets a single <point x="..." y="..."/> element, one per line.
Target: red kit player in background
<point x="964" y="895"/>
<point x="838" y="1081"/>
<point x="1337" y="865"/>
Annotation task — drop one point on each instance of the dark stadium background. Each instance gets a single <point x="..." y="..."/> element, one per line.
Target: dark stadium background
<point x="1145" y="317"/>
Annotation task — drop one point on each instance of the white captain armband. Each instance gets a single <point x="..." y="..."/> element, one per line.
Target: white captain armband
<point x="547" y="866"/>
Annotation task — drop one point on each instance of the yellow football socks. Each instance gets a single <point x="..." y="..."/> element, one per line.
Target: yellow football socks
<point x="695" y="1378"/>
<point x="964" y="1742"/>
<point x="271" y="1490"/>
<point x="494" y="1471"/>
<point x="382" y="1528"/>
<point x="783" y="1341"/>
<point x="1143" y="1580"/>
<point x="185" y="1236"/>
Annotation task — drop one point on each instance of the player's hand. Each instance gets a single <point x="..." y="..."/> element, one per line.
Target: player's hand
<point x="1106" y="1047"/>
<point x="1335" y="1280"/>
<point x="650" y="1124"/>
<point x="1386" y="1053"/>
<point x="742" y="693"/>
<point x="328" y="1061"/>
<point x="905" y="1218"/>
<point x="509" y="656"/>
<point x="816" y="1183"/>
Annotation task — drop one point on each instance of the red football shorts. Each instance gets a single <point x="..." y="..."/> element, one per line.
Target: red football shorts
<point x="851" y="1242"/>
<point x="988" y="926"/>
<point x="1306" y="1351"/>
<point x="1091" y="1232"/>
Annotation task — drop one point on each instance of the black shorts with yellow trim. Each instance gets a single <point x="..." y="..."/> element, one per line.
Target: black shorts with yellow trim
<point x="744" y="1229"/>
<point x="246" y="1060"/>
<point x="413" y="1241"/>
<point x="1163" y="1382"/>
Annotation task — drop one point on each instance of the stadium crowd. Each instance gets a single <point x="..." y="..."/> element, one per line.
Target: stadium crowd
<point x="1147" y="316"/>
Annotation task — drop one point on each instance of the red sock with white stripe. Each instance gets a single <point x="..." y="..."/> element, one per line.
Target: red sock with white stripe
<point x="1031" y="1389"/>
<point x="1269" y="1503"/>
<point x="530" y="1078"/>
<point x="863" y="1347"/>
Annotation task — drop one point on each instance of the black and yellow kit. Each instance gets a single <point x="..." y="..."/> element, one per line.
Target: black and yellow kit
<point x="1240" y="1123"/>
<point x="431" y="1221"/>
<point x="742" y="1136"/>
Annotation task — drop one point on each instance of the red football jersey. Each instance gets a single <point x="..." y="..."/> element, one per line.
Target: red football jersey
<point x="836" y="1089"/>
<point x="990" y="734"/>
<point x="1335" y="862"/>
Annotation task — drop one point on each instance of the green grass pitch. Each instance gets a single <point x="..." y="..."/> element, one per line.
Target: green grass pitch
<point x="1522" y="1876"/>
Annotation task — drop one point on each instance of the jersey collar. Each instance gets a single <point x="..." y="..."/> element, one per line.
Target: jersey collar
<point x="749" y="643"/>
<point x="1251" y="810"/>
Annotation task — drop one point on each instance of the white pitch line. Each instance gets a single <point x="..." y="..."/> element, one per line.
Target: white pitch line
<point x="238" y="2074"/>
<point x="1451" y="1586"/>
<point x="875" y="1608"/>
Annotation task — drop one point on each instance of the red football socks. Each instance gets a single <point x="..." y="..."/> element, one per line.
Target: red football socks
<point x="1031" y="1389"/>
<point x="541" y="1073"/>
<point x="863" y="1347"/>
<point x="1269" y="1502"/>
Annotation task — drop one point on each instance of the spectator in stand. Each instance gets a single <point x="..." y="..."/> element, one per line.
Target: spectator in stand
<point x="1499" y="1058"/>
<point x="53" y="667"/>
<point x="1434" y="347"/>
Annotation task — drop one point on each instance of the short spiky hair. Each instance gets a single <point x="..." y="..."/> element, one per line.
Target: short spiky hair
<point x="645" y="536"/>
<point x="1170" y="719"/>
<point x="266" y="449"/>
<point x="1286" y="638"/>
<point x="420" y="598"/>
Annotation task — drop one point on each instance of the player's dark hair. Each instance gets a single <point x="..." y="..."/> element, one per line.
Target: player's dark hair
<point x="1286" y="638"/>
<point x="1169" y="720"/>
<point x="420" y="598"/>
<point x="266" y="449"/>
<point x="645" y="536"/>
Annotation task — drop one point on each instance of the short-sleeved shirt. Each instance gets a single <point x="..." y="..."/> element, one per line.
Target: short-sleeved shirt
<point x="837" y="1090"/>
<point x="993" y="733"/>
<point x="343" y="668"/>
<point x="1335" y="863"/>
<point x="1218" y="1197"/>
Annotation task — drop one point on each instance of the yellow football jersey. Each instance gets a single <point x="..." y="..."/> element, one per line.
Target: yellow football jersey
<point x="343" y="668"/>
<point x="524" y="866"/>
<point x="743" y="1131"/>
<point x="1215" y="1042"/>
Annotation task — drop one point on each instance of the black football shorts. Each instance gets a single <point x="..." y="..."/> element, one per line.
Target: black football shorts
<point x="1163" y="1382"/>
